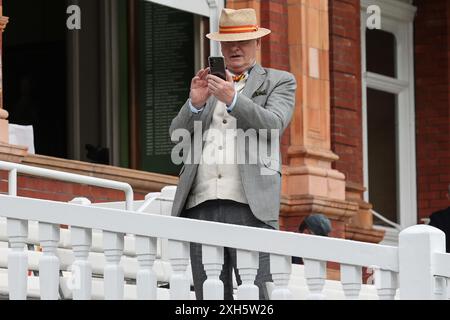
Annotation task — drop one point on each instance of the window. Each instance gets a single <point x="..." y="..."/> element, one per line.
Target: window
<point x="388" y="116"/>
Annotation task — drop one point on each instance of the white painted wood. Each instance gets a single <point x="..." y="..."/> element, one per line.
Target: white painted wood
<point x="397" y="18"/>
<point x="440" y="288"/>
<point x="146" y="278"/>
<point x="212" y="258"/>
<point x="17" y="259"/>
<point x="199" y="7"/>
<point x="315" y="275"/>
<point x="14" y="168"/>
<point x="417" y="246"/>
<point x="49" y="262"/>
<point x="81" y="238"/>
<point x="441" y="263"/>
<point x="215" y="8"/>
<point x="394" y="9"/>
<point x="386" y="283"/>
<point x="247" y="264"/>
<point x="189" y="230"/>
<point x="114" y="278"/>
<point x="280" y="268"/>
<point x="385" y="83"/>
<point x="179" y="259"/>
<point x="351" y="278"/>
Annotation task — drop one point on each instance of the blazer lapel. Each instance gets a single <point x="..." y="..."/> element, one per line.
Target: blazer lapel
<point x="255" y="80"/>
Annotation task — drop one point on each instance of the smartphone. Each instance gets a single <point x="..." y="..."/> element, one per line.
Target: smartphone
<point x="217" y="67"/>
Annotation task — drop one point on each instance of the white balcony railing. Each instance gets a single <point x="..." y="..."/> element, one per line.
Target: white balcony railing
<point x="116" y="251"/>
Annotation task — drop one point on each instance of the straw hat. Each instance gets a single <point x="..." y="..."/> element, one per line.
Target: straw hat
<point x="238" y="25"/>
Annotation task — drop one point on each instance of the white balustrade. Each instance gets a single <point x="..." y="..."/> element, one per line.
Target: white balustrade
<point x="280" y="268"/>
<point x="351" y="277"/>
<point x="179" y="259"/>
<point x="146" y="277"/>
<point x="417" y="244"/>
<point x="440" y="288"/>
<point x="49" y="262"/>
<point x="315" y="274"/>
<point x="247" y="264"/>
<point x="212" y="258"/>
<point x="81" y="239"/>
<point x="386" y="283"/>
<point x="113" y="244"/>
<point x="17" y="259"/>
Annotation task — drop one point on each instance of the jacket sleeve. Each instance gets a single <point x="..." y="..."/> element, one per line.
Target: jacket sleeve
<point x="275" y="114"/>
<point x="185" y="119"/>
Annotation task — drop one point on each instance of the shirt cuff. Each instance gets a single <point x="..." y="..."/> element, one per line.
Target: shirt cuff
<point x="194" y="109"/>
<point x="231" y="106"/>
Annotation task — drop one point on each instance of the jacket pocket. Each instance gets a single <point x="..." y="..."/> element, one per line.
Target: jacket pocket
<point x="270" y="166"/>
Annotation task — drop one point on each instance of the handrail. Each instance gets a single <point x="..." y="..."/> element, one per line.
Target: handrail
<point x="14" y="168"/>
<point x="389" y="222"/>
<point x="212" y="233"/>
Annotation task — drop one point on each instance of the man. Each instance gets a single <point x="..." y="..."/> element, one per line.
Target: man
<point x="315" y="224"/>
<point x="237" y="193"/>
<point x="441" y="220"/>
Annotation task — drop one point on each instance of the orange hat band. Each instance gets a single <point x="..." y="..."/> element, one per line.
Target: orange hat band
<point x="238" y="29"/>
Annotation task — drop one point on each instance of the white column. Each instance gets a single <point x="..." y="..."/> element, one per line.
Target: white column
<point x="315" y="274"/>
<point x="280" y="268"/>
<point x="215" y="8"/>
<point x="180" y="285"/>
<point x="247" y="263"/>
<point x="17" y="259"/>
<point x="417" y="244"/>
<point x="386" y="283"/>
<point x="49" y="262"/>
<point x="81" y="238"/>
<point x="146" y="277"/>
<point x="113" y="274"/>
<point x="212" y="258"/>
<point x="351" y="277"/>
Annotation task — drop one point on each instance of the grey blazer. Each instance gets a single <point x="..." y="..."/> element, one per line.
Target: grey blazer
<point x="267" y="102"/>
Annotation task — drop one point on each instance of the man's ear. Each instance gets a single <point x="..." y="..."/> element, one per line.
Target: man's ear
<point x="258" y="43"/>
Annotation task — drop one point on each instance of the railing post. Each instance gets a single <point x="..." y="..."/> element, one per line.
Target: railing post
<point x="49" y="262"/>
<point x="351" y="277"/>
<point x="315" y="274"/>
<point x="280" y="268"/>
<point x="180" y="286"/>
<point x="81" y="239"/>
<point x="167" y="193"/>
<point x="146" y="277"/>
<point x="386" y="283"/>
<point x="17" y="259"/>
<point x="113" y="274"/>
<point x="417" y="244"/>
<point x="247" y="263"/>
<point x="212" y="258"/>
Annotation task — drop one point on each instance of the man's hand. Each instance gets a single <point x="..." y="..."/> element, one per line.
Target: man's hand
<point x="199" y="89"/>
<point x="222" y="90"/>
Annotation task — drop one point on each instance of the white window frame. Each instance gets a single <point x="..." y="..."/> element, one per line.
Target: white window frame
<point x="397" y="17"/>
<point x="206" y="8"/>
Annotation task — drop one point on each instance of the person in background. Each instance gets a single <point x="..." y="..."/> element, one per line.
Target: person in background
<point x="441" y="220"/>
<point x="315" y="224"/>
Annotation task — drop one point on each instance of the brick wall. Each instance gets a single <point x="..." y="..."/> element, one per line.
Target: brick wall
<point x="345" y="83"/>
<point x="432" y="70"/>
<point x="40" y="188"/>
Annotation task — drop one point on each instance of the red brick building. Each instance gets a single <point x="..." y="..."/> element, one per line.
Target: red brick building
<point x="371" y="129"/>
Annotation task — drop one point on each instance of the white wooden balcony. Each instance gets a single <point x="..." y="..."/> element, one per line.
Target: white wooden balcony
<point x="136" y="250"/>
